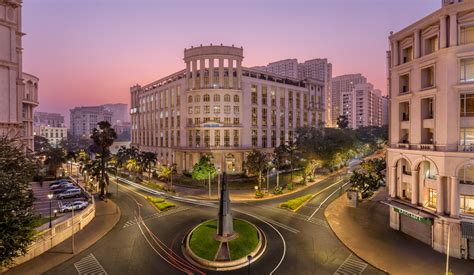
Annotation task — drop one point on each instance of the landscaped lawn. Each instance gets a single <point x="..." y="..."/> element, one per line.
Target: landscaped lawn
<point x="202" y="241"/>
<point x="246" y="242"/>
<point x="295" y="203"/>
<point x="161" y="204"/>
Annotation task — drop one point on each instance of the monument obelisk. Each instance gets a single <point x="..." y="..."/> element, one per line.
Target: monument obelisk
<point x="226" y="226"/>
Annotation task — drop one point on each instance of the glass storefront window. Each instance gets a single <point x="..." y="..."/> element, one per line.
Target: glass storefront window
<point x="467" y="204"/>
<point x="431" y="198"/>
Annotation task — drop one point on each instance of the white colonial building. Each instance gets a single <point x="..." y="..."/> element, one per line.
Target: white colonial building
<point x="431" y="156"/>
<point x="216" y="106"/>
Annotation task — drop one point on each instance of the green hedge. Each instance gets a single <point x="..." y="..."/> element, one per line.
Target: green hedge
<point x="161" y="204"/>
<point x="295" y="203"/>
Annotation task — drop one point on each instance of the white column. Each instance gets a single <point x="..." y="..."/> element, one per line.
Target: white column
<point x="393" y="181"/>
<point x="211" y="72"/>
<point x="439" y="195"/>
<point x="202" y="69"/>
<point x="395" y="51"/>
<point x="415" y="178"/>
<point x="453" y="30"/>
<point x="230" y="68"/>
<point x="442" y="32"/>
<point x="193" y="72"/>
<point x="221" y="72"/>
<point x="417" y="43"/>
<point x="454" y="201"/>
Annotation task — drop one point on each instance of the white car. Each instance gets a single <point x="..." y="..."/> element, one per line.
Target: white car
<point x="61" y="185"/>
<point x="71" y="193"/>
<point x="76" y="205"/>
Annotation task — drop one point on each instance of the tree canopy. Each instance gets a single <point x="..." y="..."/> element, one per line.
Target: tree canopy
<point x="342" y="121"/>
<point x="103" y="137"/>
<point x="17" y="219"/>
<point x="203" y="168"/>
<point x="257" y="162"/>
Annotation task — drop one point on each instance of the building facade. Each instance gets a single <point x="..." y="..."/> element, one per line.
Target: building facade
<point x="18" y="91"/>
<point x="430" y="160"/>
<point x="363" y="106"/>
<point x="85" y="119"/>
<point x="339" y="85"/>
<point x="54" y="134"/>
<point x="51" y="119"/>
<point x="218" y="107"/>
<point x="120" y="112"/>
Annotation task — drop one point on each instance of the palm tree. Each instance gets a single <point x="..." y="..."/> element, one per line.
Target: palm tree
<point x="55" y="157"/>
<point x="147" y="161"/>
<point x="103" y="138"/>
<point x="131" y="165"/>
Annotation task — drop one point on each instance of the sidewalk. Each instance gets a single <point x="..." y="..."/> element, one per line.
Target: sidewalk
<point x="365" y="230"/>
<point x="107" y="216"/>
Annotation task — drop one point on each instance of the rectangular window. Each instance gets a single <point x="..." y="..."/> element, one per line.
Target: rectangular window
<point x="467" y="70"/>
<point x="427" y="77"/>
<point x="407" y="54"/>
<point x="466" y="136"/>
<point x="404" y="82"/>
<point x="264" y="116"/>
<point x="227" y="109"/>
<point x="207" y="138"/>
<point x="197" y="120"/>
<point x="282" y="98"/>
<point x="236" y="110"/>
<point x="254" y="138"/>
<point x="190" y="110"/>
<point x="467" y="34"/>
<point x="466" y="204"/>
<point x="282" y="137"/>
<point x="227" y="120"/>
<point x="190" y="138"/>
<point x="197" y="110"/>
<point x="431" y="44"/>
<point x="227" y="138"/>
<point x="273" y="96"/>
<point x="236" y="138"/>
<point x="254" y="94"/>
<point x="467" y="105"/>
<point x="273" y="137"/>
<point x="217" y="109"/>
<point x="290" y="119"/>
<point x="198" y="138"/>
<point x="254" y="116"/>
<point x="217" y="138"/>
<point x="207" y="109"/>
<point x="264" y="95"/>
<point x="431" y="198"/>
<point x="264" y="138"/>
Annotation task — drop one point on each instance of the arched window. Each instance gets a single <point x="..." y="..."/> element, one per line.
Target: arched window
<point x="227" y="98"/>
<point x="197" y="98"/>
<point x="466" y="174"/>
<point x="217" y="98"/>
<point x="236" y="98"/>
<point x="206" y="98"/>
<point x="190" y="99"/>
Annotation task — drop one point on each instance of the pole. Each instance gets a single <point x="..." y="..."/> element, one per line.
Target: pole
<point x="447" y="250"/>
<point x="218" y="185"/>
<point x="72" y="235"/>
<point x="268" y="181"/>
<point x="209" y="184"/>
<point x="278" y="179"/>
<point x="50" y="221"/>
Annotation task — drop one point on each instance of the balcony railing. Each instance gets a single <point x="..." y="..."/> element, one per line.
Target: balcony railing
<point x="403" y="145"/>
<point x="427" y="147"/>
<point x="465" y="148"/>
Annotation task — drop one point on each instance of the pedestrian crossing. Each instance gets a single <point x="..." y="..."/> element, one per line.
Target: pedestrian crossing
<point x="351" y="266"/>
<point x="156" y="215"/>
<point x="89" y="265"/>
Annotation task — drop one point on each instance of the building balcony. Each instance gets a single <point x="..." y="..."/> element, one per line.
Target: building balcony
<point x="465" y="148"/>
<point x="405" y="124"/>
<point x="402" y="145"/>
<point x="428" y="123"/>
<point x="426" y="147"/>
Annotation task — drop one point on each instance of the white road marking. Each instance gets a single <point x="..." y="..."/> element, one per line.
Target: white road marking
<point x="351" y="266"/>
<point x="326" y="199"/>
<point x="89" y="265"/>
<point x="157" y="215"/>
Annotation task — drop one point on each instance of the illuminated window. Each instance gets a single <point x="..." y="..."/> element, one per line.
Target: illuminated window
<point x="226" y="138"/>
<point x="264" y="138"/>
<point x="207" y="138"/>
<point x="467" y="69"/>
<point x="264" y="116"/>
<point x="254" y="94"/>
<point x="467" y="204"/>
<point x="254" y="138"/>
<point x="264" y="95"/>
<point x="217" y="137"/>
<point x="236" y="110"/>
<point x="236" y="138"/>
<point x="226" y="109"/>
<point x="431" y="198"/>
<point x="217" y="109"/>
<point x="254" y="116"/>
<point x="467" y="34"/>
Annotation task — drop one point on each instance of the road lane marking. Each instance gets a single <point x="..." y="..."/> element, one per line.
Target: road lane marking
<point x="157" y="215"/>
<point x="326" y="199"/>
<point x="89" y="265"/>
<point x="352" y="265"/>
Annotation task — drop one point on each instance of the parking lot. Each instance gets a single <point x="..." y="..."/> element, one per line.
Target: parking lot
<point x="41" y="205"/>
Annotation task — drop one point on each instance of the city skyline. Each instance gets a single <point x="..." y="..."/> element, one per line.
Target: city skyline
<point x="84" y="38"/>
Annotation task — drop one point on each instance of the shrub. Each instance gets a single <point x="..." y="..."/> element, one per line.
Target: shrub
<point x="295" y="203"/>
<point x="160" y="203"/>
<point x="278" y="191"/>
<point x="290" y="186"/>
<point x="258" y="194"/>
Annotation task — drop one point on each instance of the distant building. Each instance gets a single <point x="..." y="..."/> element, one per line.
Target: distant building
<point x="51" y="119"/>
<point x="362" y="106"/>
<point x="18" y="90"/>
<point x="318" y="69"/>
<point x="384" y="110"/>
<point x="114" y="148"/>
<point x="54" y="134"/>
<point x="85" y="119"/>
<point x="339" y="85"/>
<point x="120" y="112"/>
<point x="123" y="131"/>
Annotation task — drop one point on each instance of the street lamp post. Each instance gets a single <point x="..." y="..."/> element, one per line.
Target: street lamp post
<point x="218" y="182"/>
<point x="278" y="179"/>
<point x="72" y="228"/>
<point x="50" y="197"/>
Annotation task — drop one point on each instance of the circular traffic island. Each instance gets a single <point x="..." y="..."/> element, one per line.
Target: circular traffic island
<point x="206" y="249"/>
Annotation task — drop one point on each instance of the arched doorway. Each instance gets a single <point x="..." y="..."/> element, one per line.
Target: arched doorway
<point x="403" y="179"/>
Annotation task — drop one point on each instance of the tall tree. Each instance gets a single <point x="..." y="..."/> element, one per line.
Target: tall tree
<point x="17" y="220"/>
<point x="103" y="137"/>
<point x="41" y="144"/>
<point x="257" y="163"/>
<point x="288" y="153"/>
<point x="342" y="121"/>
<point x="55" y="158"/>
<point x="148" y="161"/>
<point x="203" y="169"/>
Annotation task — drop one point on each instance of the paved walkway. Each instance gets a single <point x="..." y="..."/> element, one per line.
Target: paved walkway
<point x="107" y="216"/>
<point x="365" y="230"/>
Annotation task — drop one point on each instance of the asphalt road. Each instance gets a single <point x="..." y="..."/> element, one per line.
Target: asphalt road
<point x="147" y="242"/>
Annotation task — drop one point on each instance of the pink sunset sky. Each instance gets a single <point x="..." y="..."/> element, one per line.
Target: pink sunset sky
<point x="90" y="52"/>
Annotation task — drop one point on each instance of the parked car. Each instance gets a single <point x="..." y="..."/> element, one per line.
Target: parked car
<point x="71" y="193"/>
<point x="58" y="181"/>
<point x="62" y="189"/>
<point x="61" y="185"/>
<point x="76" y="205"/>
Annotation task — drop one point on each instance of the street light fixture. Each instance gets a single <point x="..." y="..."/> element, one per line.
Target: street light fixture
<point x="50" y="197"/>
<point x="249" y="259"/>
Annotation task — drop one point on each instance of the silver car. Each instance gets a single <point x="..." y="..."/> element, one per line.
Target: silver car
<point x="70" y="193"/>
<point x="75" y="205"/>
